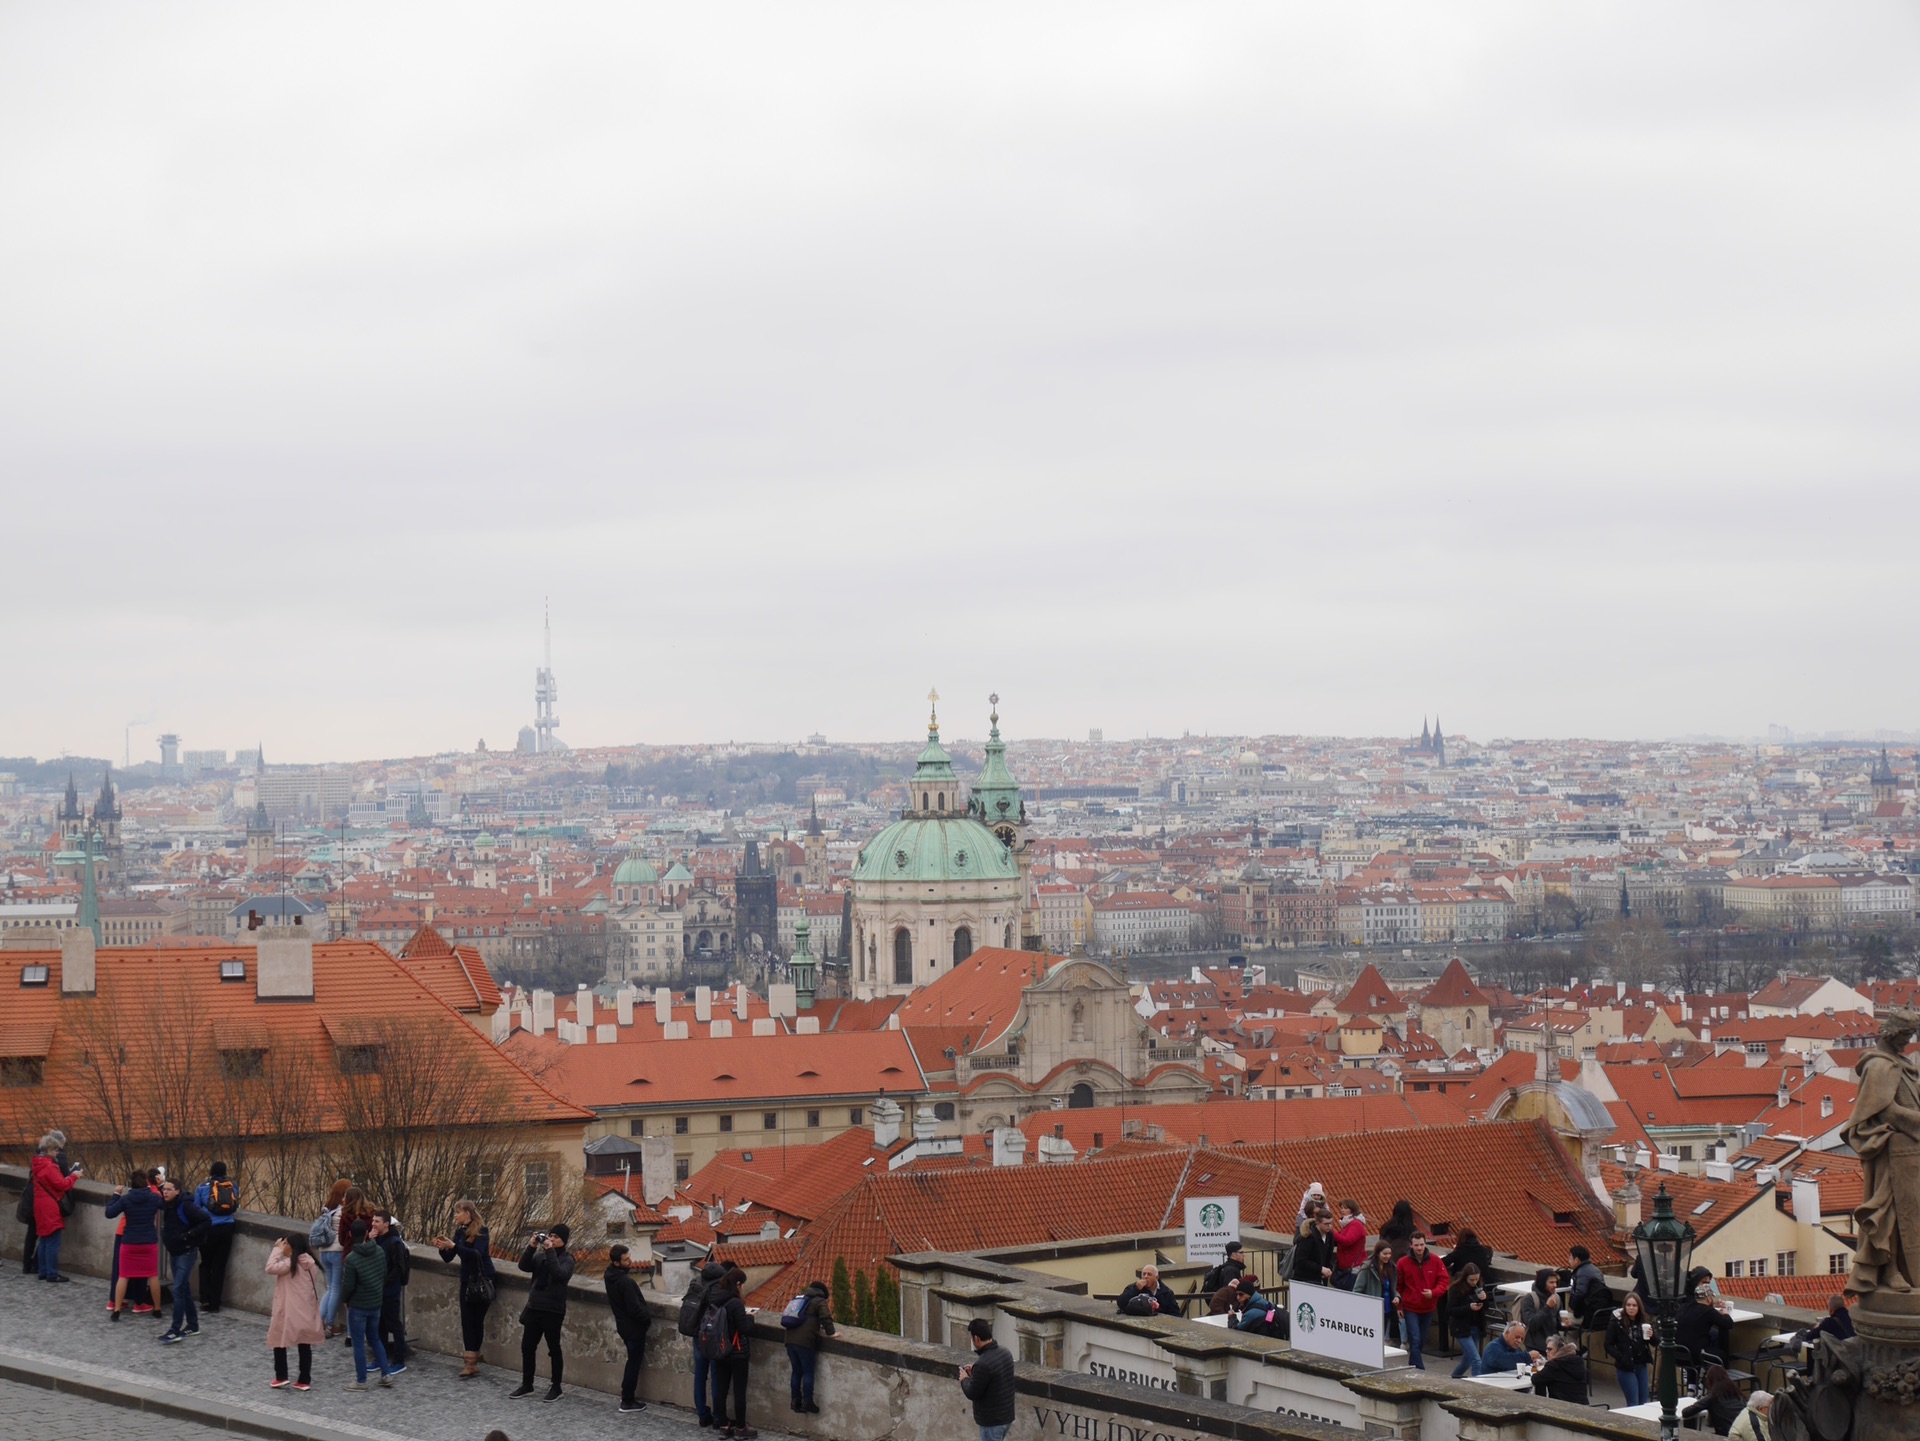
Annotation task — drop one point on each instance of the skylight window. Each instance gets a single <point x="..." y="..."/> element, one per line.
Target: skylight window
<point x="33" y="975"/>
<point x="1703" y="1208"/>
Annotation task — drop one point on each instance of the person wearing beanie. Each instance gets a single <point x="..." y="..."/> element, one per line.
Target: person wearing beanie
<point x="548" y="1262"/>
<point x="218" y="1197"/>
<point x="693" y="1310"/>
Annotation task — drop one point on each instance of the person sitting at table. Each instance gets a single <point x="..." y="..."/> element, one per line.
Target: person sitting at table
<point x="1564" y="1377"/>
<point x="1703" y="1328"/>
<point x="1722" y="1399"/>
<point x="1838" y="1323"/>
<point x="1231" y="1299"/>
<point x="1149" y="1296"/>
<point x="1506" y="1351"/>
<point x="1259" y="1315"/>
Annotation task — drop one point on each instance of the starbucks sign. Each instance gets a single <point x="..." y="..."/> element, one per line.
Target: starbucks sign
<point x="1212" y="1221"/>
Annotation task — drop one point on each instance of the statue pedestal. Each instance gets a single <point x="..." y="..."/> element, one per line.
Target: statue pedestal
<point x="1866" y="1389"/>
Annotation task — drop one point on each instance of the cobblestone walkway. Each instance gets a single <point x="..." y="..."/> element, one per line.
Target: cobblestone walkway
<point x="31" y="1411"/>
<point x="229" y="1365"/>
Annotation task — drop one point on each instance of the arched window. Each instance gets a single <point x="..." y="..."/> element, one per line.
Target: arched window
<point x="1080" y="1098"/>
<point x="962" y="945"/>
<point x="942" y="803"/>
<point x="903" y="957"/>
<point x="943" y="1110"/>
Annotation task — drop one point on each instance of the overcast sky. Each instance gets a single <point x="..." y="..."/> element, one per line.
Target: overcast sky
<point x="1256" y="369"/>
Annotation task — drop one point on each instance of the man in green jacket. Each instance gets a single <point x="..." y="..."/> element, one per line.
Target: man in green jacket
<point x="363" y="1284"/>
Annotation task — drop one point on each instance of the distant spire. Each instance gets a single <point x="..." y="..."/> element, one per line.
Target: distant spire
<point x="89" y="896"/>
<point x="933" y="714"/>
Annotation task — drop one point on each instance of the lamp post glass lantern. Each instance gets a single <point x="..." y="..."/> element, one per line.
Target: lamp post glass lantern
<point x="1665" y="1245"/>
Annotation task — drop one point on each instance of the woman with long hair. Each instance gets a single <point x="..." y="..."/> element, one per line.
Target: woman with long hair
<point x="1630" y="1345"/>
<point x="469" y="1242"/>
<point x="1397" y="1230"/>
<point x="1467" y="1318"/>
<point x="296" y="1310"/>
<point x="324" y="1239"/>
<point x="1721" y="1397"/>
<point x="139" y="1211"/>
<point x="1350" y="1244"/>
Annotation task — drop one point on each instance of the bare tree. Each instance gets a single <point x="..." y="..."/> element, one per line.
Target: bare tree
<point x="423" y="1122"/>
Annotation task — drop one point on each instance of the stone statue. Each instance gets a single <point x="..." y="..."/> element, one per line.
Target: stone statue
<point x="1885" y="1134"/>
<point x="1867" y="1388"/>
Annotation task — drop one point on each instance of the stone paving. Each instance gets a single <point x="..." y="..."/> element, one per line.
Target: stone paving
<point x="229" y="1364"/>
<point x="32" y="1411"/>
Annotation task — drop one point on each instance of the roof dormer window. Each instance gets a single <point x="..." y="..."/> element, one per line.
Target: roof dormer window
<point x="33" y="976"/>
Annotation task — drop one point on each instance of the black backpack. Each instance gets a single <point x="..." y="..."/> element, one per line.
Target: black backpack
<point x="716" y="1335"/>
<point x="691" y="1305"/>
<point x="222" y="1198"/>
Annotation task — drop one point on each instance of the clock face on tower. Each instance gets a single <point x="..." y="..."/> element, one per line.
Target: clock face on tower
<point x="1006" y="834"/>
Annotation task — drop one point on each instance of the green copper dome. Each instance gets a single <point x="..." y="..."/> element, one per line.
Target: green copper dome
<point x="636" y="872"/>
<point x="935" y="849"/>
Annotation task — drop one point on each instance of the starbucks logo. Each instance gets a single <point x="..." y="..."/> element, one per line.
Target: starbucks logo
<point x="1213" y="1216"/>
<point x="1303" y="1321"/>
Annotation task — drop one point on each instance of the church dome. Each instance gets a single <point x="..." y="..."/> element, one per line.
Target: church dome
<point x="935" y="849"/>
<point x="636" y="872"/>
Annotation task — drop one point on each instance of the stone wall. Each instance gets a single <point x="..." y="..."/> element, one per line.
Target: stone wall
<point x="1184" y="1382"/>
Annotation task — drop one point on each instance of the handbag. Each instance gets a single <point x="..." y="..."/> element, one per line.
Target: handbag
<point x="23" y="1213"/>
<point x="477" y="1289"/>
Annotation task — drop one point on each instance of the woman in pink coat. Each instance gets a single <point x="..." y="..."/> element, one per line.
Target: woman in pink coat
<point x="49" y="1185"/>
<point x="296" y="1309"/>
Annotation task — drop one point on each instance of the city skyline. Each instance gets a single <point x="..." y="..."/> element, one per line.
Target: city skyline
<point x="1240" y="370"/>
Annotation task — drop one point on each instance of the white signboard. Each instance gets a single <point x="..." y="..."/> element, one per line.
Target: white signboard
<point x="1336" y="1323"/>
<point x="1212" y="1221"/>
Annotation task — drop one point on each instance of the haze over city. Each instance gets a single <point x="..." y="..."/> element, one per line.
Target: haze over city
<point x="1243" y="369"/>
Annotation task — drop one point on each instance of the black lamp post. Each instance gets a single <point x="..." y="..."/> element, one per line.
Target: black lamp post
<point x="1665" y="1245"/>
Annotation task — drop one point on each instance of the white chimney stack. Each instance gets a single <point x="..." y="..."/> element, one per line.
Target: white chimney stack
<point x="542" y="1012"/>
<point x="285" y="969"/>
<point x="583" y="1006"/>
<point x="77" y="967"/>
<point x="886" y="1121"/>
<point x="703" y="1004"/>
<point x="623" y="1006"/>
<point x="662" y="1005"/>
<point x="1806" y="1201"/>
<point x="740" y="996"/>
<point x="924" y="1125"/>
<point x="1009" y="1146"/>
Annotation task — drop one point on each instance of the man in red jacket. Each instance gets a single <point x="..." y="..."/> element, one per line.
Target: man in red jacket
<point x="1420" y="1285"/>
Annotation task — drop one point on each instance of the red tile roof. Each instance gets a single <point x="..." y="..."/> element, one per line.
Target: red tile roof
<point x="704" y="1070"/>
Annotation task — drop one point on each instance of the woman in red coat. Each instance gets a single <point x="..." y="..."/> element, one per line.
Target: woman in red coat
<point x="1419" y="1288"/>
<point x="49" y="1185"/>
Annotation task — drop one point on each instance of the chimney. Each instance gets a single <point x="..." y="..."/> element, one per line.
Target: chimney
<point x="1593" y="1077"/>
<point x="886" y="1122"/>
<point x="542" y="1012"/>
<point x="1806" y="1201"/>
<point x="740" y="995"/>
<point x="1626" y="1206"/>
<point x="1781" y="1097"/>
<point x="924" y="1124"/>
<point x="703" y="1004"/>
<point x="1053" y="1151"/>
<point x="1826" y="1106"/>
<point x="583" y="1006"/>
<point x="77" y="962"/>
<point x="662" y="1005"/>
<point x="1009" y="1146"/>
<point x="623" y="1005"/>
<point x="283" y="969"/>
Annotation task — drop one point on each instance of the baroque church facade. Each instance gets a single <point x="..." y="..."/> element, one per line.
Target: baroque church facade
<point x="947" y="878"/>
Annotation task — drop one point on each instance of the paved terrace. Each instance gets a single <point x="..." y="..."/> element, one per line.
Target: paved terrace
<point x="63" y="1332"/>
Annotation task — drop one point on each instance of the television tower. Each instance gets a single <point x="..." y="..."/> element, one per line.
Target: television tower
<point x="545" y="693"/>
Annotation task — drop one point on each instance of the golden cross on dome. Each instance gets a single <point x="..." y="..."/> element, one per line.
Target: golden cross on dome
<point x="933" y="708"/>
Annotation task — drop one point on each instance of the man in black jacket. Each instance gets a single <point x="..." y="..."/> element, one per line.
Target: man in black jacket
<point x="631" y="1318"/>
<point x="183" y="1225"/>
<point x="547" y="1260"/>
<point x="1314" y="1254"/>
<point x="393" y="1325"/>
<point x="988" y="1382"/>
<point x="1233" y="1265"/>
<point x="1148" y="1297"/>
